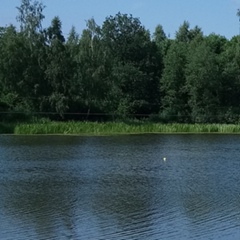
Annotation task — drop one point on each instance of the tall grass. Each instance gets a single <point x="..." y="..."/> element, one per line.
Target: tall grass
<point x="108" y="128"/>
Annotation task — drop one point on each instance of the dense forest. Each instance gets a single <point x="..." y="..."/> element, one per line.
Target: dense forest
<point x="117" y="70"/>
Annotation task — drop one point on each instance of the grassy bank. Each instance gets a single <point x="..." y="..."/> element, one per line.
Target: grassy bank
<point x="109" y="128"/>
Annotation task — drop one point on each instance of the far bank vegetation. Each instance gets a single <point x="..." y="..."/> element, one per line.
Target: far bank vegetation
<point x="118" y="70"/>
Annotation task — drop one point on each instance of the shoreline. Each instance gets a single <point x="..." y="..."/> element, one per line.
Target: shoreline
<point x="114" y="128"/>
<point x="113" y="135"/>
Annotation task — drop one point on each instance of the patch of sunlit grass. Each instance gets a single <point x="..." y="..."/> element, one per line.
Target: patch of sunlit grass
<point x="109" y="128"/>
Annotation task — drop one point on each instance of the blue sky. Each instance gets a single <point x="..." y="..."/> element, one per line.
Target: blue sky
<point x="212" y="16"/>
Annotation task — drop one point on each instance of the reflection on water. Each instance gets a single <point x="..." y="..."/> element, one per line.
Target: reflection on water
<point x="69" y="187"/>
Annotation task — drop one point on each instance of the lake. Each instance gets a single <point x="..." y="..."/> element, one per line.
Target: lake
<point x="120" y="187"/>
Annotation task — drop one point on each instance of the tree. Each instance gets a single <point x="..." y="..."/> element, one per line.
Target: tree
<point x="118" y="68"/>
<point x="93" y="64"/>
<point x="182" y="35"/>
<point x="173" y="81"/>
<point x="54" y="32"/>
<point x="125" y="36"/>
<point x="59" y="69"/>
<point x="238" y="15"/>
<point x="73" y="38"/>
<point x="134" y="92"/>
<point x="161" y="41"/>
<point x="185" y="34"/>
<point x="159" y="36"/>
<point x="203" y="82"/>
<point x="216" y="43"/>
<point x="134" y="62"/>
<point x="230" y="92"/>
<point x="30" y="18"/>
<point x="75" y="100"/>
<point x="13" y="58"/>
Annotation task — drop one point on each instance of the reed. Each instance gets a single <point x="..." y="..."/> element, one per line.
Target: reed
<point x="109" y="128"/>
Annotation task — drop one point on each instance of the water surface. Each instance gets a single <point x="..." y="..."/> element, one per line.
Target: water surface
<point x="119" y="187"/>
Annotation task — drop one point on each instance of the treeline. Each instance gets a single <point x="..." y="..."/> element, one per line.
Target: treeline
<point x="117" y="70"/>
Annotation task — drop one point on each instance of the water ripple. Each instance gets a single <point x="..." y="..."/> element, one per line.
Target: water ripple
<point x="120" y="188"/>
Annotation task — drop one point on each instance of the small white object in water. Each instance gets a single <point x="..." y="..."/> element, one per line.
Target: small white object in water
<point x="164" y="159"/>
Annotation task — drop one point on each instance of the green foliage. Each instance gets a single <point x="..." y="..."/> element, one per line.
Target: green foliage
<point x="116" y="71"/>
<point x="203" y="83"/>
<point x="185" y="34"/>
<point x="161" y="41"/>
<point x="125" y="37"/>
<point x="30" y="16"/>
<point x="173" y="84"/>
<point x="111" y="128"/>
<point x="135" y="68"/>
